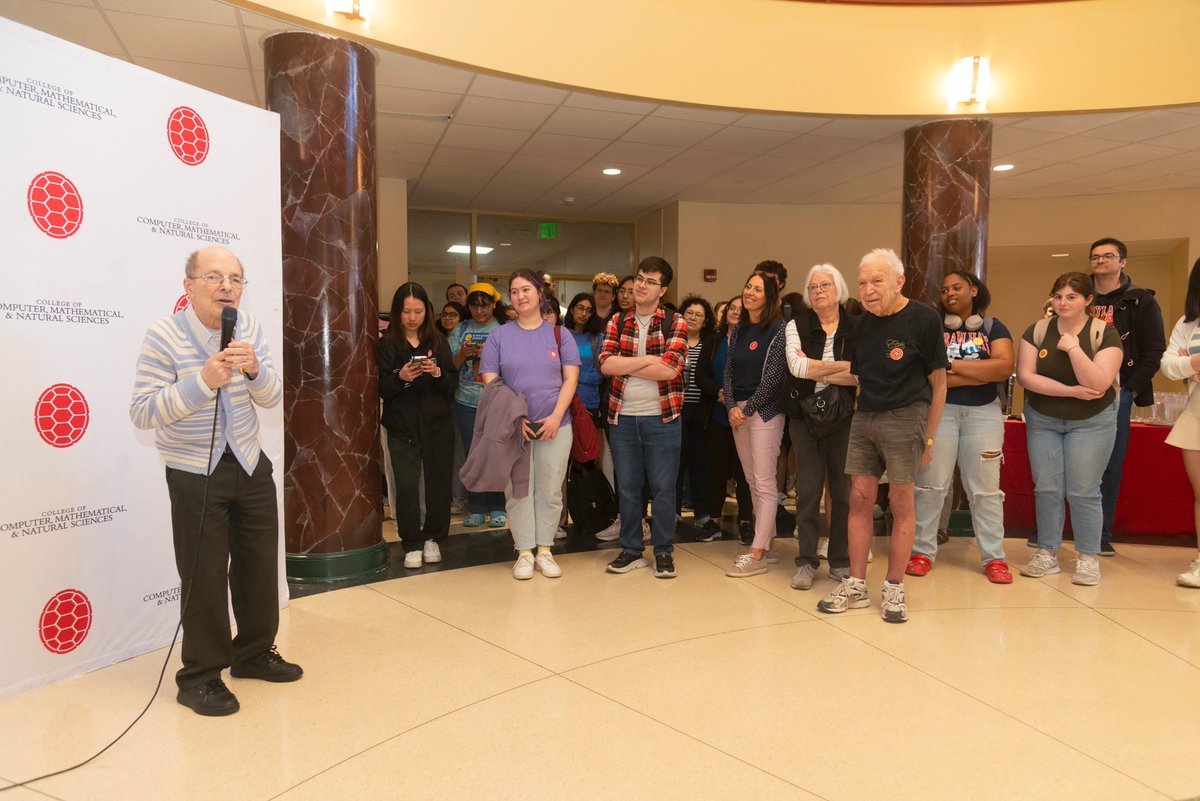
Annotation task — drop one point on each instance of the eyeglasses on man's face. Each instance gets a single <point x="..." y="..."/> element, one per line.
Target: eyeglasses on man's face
<point x="1104" y="257"/>
<point x="216" y="279"/>
<point x="644" y="281"/>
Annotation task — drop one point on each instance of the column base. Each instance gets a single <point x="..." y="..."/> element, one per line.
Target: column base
<point x="326" y="568"/>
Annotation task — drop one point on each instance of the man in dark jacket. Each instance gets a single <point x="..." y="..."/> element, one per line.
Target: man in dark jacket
<point x="1134" y="312"/>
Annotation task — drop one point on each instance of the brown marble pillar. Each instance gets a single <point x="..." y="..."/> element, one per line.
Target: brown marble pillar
<point x="947" y="176"/>
<point x="324" y="91"/>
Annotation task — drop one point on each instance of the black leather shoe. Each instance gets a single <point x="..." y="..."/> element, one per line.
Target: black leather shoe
<point x="212" y="698"/>
<point x="268" y="666"/>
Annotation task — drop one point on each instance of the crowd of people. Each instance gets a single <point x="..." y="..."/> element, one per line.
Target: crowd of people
<point x="834" y="394"/>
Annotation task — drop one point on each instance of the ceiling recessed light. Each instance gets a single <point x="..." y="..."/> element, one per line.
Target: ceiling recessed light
<point x="480" y="249"/>
<point x="506" y="244"/>
<point x="611" y="171"/>
<point x="1059" y="255"/>
<point x="1002" y="168"/>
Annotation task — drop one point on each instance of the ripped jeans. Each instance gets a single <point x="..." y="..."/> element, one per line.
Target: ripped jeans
<point x="972" y="437"/>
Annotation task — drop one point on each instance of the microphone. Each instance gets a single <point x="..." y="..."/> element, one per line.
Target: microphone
<point x="228" y="321"/>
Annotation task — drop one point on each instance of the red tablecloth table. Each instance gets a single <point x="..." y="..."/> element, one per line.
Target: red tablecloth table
<point x="1155" y="498"/>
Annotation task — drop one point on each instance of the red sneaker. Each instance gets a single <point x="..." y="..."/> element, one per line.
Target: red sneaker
<point x="918" y="565"/>
<point x="997" y="572"/>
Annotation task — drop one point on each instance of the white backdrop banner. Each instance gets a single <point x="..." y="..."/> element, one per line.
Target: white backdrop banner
<point x="110" y="175"/>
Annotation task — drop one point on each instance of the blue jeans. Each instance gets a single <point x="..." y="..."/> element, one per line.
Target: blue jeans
<point x="1067" y="457"/>
<point x="973" y="438"/>
<point x="646" y="447"/>
<point x="1110" y="484"/>
<point x="480" y="502"/>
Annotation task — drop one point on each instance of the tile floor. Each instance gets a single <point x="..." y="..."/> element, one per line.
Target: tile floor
<point x="464" y="684"/>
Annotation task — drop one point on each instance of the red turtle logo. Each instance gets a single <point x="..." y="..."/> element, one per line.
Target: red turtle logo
<point x="181" y="304"/>
<point x="65" y="622"/>
<point x="54" y="204"/>
<point x="897" y="354"/>
<point x="188" y="136"/>
<point x="753" y="346"/>
<point x="61" y="415"/>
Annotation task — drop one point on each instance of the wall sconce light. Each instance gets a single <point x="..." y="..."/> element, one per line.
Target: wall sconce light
<point x="968" y="82"/>
<point x="351" y="9"/>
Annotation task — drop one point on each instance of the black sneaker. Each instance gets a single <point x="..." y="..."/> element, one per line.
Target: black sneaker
<point x="709" y="531"/>
<point x="1032" y="540"/>
<point x="1106" y="549"/>
<point x="664" y="565"/>
<point x="745" y="532"/>
<point x="627" y="561"/>
<point x="212" y="699"/>
<point x="268" y="666"/>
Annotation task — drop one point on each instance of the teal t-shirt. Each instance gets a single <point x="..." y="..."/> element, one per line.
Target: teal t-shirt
<point x="470" y="385"/>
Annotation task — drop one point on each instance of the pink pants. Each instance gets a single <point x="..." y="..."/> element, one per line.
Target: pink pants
<point x="757" y="445"/>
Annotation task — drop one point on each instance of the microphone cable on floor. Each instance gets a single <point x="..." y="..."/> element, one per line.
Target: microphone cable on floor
<point x="182" y="611"/>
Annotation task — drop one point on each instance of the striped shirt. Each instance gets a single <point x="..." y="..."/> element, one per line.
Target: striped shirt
<point x="691" y="391"/>
<point x="170" y="396"/>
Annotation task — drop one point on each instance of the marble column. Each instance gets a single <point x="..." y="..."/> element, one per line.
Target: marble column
<point x="947" y="175"/>
<point x="324" y="92"/>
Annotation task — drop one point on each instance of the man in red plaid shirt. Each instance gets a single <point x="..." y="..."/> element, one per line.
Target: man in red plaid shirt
<point x="644" y="351"/>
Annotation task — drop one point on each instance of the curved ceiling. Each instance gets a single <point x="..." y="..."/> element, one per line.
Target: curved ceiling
<point x="786" y="56"/>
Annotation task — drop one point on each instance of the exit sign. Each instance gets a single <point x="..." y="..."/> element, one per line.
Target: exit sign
<point x="547" y="230"/>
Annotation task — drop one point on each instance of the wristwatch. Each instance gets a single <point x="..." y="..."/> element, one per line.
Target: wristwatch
<point x="929" y="442"/>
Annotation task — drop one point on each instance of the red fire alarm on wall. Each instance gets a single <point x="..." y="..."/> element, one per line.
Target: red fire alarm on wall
<point x="710" y="274"/>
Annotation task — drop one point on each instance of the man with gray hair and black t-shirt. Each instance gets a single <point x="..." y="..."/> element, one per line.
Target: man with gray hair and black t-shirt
<point x="898" y="355"/>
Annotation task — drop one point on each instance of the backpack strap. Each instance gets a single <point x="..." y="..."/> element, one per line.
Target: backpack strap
<point x="1039" y="331"/>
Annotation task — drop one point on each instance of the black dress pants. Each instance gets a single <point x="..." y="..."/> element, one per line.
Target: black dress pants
<point x="431" y="449"/>
<point x="816" y="462"/>
<point x="237" y="559"/>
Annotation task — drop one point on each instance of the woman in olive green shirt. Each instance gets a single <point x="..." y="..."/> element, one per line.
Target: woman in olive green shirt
<point x="1068" y="364"/>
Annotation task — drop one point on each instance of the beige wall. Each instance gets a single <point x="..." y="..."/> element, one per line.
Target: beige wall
<point x="1162" y="228"/>
<point x="392" y="238"/>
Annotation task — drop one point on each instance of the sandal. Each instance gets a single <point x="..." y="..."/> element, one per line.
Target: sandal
<point x="997" y="572"/>
<point x="497" y="520"/>
<point x="472" y="520"/>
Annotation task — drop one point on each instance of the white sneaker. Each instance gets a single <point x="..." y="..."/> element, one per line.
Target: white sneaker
<point x="850" y="593"/>
<point x="822" y="547"/>
<point x="412" y="560"/>
<point x="611" y="533"/>
<point x="458" y="506"/>
<point x="893" y="608"/>
<point x="432" y="553"/>
<point x="1043" y="563"/>
<point x="545" y="563"/>
<point x="1087" y="570"/>
<point x="1191" y="577"/>
<point x="523" y="569"/>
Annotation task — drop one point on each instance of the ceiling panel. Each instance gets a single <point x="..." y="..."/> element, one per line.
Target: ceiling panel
<point x="394" y="69"/>
<point x="814" y="146"/>
<point x="179" y="40"/>
<point x="490" y="160"/>
<point x="190" y="10"/>
<point x="746" y="140"/>
<point x="625" y="152"/>
<point x="663" y="131"/>
<point x="397" y="129"/>
<point x="714" y="116"/>
<point x="504" y="89"/>
<point x="83" y="26"/>
<point x="584" y="122"/>
<point x="603" y="103"/>
<point x="871" y="130"/>
<point x="544" y="165"/>
<point x="581" y="147"/>
<point x="414" y="101"/>
<point x="484" y="138"/>
<point x="1149" y="125"/>
<point x="1128" y="155"/>
<point x="491" y="112"/>
<point x="782" y="122"/>
<point x="1069" y="123"/>
<point x="1068" y="148"/>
